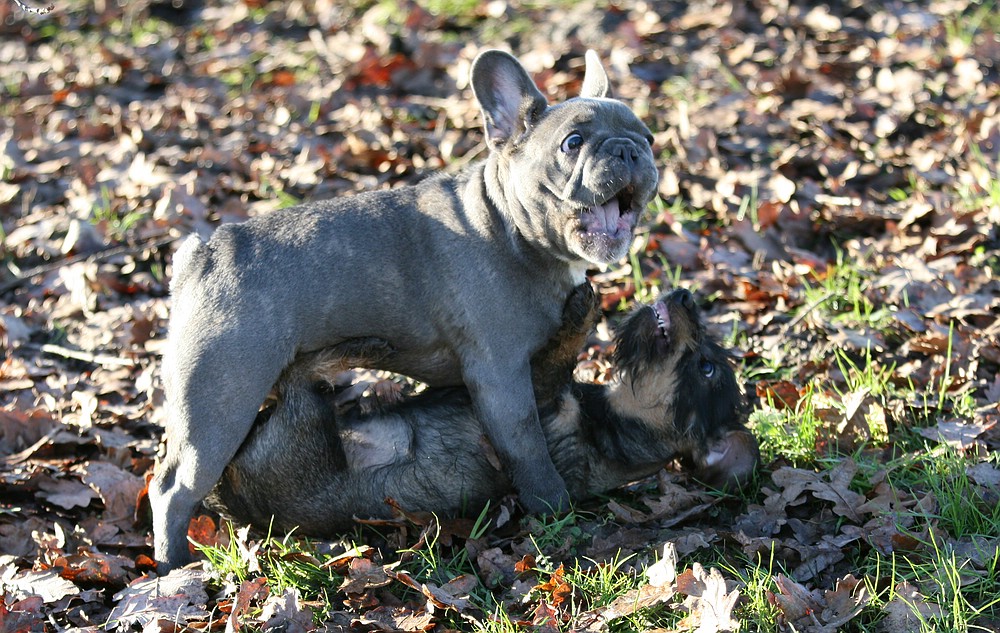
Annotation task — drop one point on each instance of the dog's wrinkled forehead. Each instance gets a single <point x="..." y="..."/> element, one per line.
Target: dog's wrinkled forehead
<point x="597" y="115"/>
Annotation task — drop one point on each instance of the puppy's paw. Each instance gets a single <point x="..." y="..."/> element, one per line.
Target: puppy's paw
<point x="369" y="396"/>
<point x="582" y="308"/>
<point x="384" y="393"/>
<point x="730" y="462"/>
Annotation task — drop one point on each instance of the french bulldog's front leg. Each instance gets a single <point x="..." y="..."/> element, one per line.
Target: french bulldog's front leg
<point x="505" y="406"/>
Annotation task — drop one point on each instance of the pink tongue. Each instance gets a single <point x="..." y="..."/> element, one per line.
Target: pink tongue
<point x="605" y="216"/>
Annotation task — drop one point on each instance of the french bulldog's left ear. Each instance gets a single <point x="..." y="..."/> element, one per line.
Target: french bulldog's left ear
<point x="595" y="80"/>
<point x="509" y="98"/>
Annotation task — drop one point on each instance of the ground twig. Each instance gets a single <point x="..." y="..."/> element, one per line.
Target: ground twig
<point x="125" y="249"/>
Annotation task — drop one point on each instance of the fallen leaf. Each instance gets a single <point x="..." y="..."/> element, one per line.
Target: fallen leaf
<point x="47" y="585"/>
<point x="907" y="611"/>
<point x="956" y="433"/>
<point x="180" y="595"/>
<point x="66" y="493"/>
<point x="709" y="603"/>
<point x="118" y="489"/>
<point x="388" y="618"/>
<point x="286" y="613"/>
<point x="253" y="589"/>
<point x="664" y="571"/>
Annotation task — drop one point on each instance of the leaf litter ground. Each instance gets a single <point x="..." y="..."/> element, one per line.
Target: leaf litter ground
<point x="829" y="188"/>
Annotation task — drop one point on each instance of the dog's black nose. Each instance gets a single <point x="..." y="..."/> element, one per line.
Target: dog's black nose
<point x="683" y="297"/>
<point x="625" y="150"/>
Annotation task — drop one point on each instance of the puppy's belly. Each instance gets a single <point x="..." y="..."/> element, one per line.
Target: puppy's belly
<point x="377" y="442"/>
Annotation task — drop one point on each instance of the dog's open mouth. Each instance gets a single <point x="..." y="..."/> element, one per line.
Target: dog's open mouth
<point x="614" y="217"/>
<point x="676" y="320"/>
<point x="662" y="319"/>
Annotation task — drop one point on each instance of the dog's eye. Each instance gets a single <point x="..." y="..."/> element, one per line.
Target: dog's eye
<point x="707" y="368"/>
<point x="649" y="139"/>
<point x="571" y="143"/>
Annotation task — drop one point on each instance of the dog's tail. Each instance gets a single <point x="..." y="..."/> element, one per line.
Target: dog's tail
<point x="184" y="257"/>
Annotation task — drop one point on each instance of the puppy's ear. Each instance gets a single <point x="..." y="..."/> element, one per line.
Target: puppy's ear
<point x="510" y="100"/>
<point x="595" y="80"/>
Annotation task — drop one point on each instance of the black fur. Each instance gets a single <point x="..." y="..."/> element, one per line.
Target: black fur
<point x="599" y="436"/>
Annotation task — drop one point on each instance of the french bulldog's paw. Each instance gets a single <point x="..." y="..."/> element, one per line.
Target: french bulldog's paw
<point x="552" y="502"/>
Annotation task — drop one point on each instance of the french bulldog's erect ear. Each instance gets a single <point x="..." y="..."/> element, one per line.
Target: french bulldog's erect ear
<point x="509" y="98"/>
<point x="595" y="80"/>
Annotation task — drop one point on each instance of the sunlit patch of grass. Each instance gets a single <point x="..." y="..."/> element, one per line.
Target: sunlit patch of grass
<point x="285" y="563"/>
<point x="942" y="472"/>
<point x="147" y="31"/>
<point x="788" y="432"/>
<point x="979" y="18"/>
<point x="432" y="561"/>
<point x="117" y="223"/>
<point x="865" y="379"/>
<point x="561" y="532"/>
<point x="940" y="399"/>
<point x="935" y="587"/>
<point x="499" y="622"/>
<point x="682" y="212"/>
<point x="451" y="7"/>
<point x="757" y="578"/>
<point x="982" y="189"/>
<point x="599" y="583"/>
<point x="839" y="294"/>
<point x="682" y="89"/>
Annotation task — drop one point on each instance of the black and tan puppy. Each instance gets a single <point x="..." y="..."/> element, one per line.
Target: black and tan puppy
<point x="676" y="396"/>
<point x="463" y="276"/>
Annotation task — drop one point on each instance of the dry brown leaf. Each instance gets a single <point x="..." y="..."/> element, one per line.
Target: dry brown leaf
<point x="907" y="610"/>
<point x="709" y="603"/>
<point x="179" y="595"/>
<point x="118" y="489"/>
<point x="363" y="575"/>
<point x="959" y="434"/>
<point x="47" y="585"/>
<point x="846" y="502"/>
<point x="389" y="618"/>
<point x="66" y="493"/>
<point x="286" y="613"/>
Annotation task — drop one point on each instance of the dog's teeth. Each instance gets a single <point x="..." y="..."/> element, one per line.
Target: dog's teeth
<point x="662" y="325"/>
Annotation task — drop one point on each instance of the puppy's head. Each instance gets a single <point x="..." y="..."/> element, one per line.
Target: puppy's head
<point x="680" y="383"/>
<point x="573" y="177"/>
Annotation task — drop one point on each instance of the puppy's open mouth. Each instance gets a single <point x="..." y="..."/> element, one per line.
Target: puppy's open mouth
<point x="613" y="217"/>
<point x="662" y="319"/>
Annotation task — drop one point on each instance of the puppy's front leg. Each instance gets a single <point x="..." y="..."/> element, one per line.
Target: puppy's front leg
<point x="552" y="366"/>
<point x="505" y="406"/>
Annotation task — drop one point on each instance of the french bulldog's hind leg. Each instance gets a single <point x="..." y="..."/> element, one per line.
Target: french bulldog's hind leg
<point x="212" y="406"/>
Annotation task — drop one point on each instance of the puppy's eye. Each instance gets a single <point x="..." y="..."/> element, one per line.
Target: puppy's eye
<point x="649" y="139"/>
<point x="571" y="143"/>
<point x="707" y="368"/>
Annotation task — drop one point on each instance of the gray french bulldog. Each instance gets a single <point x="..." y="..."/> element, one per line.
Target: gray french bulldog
<point x="463" y="275"/>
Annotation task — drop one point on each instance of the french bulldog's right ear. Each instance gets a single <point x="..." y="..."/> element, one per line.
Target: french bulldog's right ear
<point x="595" y="79"/>
<point x="510" y="101"/>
